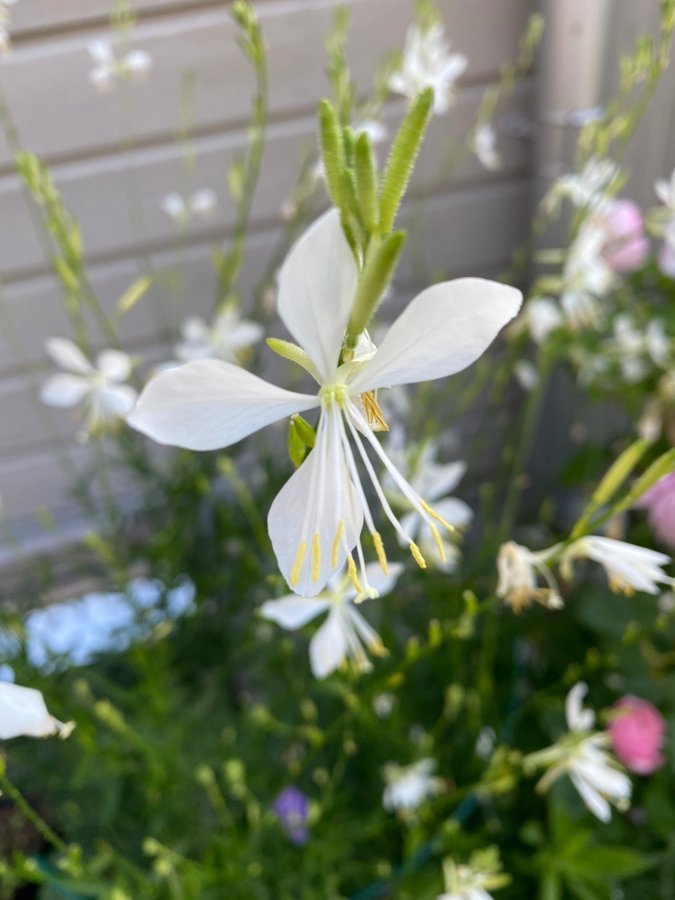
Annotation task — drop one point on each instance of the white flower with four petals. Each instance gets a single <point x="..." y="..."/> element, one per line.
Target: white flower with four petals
<point x="427" y="62"/>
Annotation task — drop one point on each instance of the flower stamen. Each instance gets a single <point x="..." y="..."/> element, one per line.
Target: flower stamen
<point x="374" y="414"/>
<point x="316" y="557"/>
<point x="417" y="555"/>
<point x="337" y="541"/>
<point x="439" y="518"/>
<point x="297" y="565"/>
<point x="379" y="549"/>
<point x="353" y="574"/>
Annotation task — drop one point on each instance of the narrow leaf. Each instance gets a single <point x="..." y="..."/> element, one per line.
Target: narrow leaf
<point x="133" y="294"/>
<point x="664" y="465"/>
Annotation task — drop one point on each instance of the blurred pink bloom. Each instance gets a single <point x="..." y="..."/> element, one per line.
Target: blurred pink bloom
<point x="626" y="246"/>
<point x="660" y="501"/>
<point x="637" y="734"/>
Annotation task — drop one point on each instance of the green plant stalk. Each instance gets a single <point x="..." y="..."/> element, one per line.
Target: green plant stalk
<point x="15" y="795"/>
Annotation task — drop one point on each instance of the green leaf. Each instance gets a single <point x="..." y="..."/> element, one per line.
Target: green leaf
<point x="133" y="294"/>
<point x="380" y="266"/>
<point x="402" y="158"/>
<point x="664" y="465"/>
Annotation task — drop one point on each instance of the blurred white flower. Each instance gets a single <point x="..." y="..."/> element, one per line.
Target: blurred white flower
<point x="587" y="188"/>
<point x="665" y="224"/>
<point x="108" y="69"/>
<point x="427" y="62"/>
<point x="99" y="388"/>
<point x="317" y="519"/>
<point x="200" y="205"/>
<point x="407" y="787"/>
<point x="384" y="704"/>
<point x="23" y="712"/>
<point x="5" y="43"/>
<point x="471" y="882"/>
<point x="634" y="347"/>
<point x="583" y="755"/>
<point x="527" y="374"/>
<point x="542" y="316"/>
<point x="345" y="635"/>
<point x="586" y="276"/>
<point x="629" y="568"/>
<point x="485" y="147"/>
<point x="519" y="571"/>
<point x="228" y="338"/>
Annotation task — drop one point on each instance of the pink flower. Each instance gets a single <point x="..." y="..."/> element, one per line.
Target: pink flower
<point x="660" y="501"/>
<point x="626" y="247"/>
<point x="637" y="734"/>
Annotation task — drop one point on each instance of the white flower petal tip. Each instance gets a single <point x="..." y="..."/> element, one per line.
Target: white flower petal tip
<point x="209" y="404"/>
<point x="407" y="787"/>
<point x="23" y="712"/>
<point x="629" y="568"/>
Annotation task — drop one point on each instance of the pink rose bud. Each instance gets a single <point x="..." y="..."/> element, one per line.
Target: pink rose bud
<point x="637" y="733"/>
<point x="660" y="501"/>
<point x="626" y="246"/>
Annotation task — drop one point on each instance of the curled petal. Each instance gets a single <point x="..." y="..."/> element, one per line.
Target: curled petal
<point x="64" y="390"/>
<point x="315" y="519"/>
<point x="442" y="331"/>
<point x="329" y="646"/>
<point x="292" y="611"/>
<point x="23" y="712"/>
<point x="208" y="404"/>
<point x="317" y="284"/>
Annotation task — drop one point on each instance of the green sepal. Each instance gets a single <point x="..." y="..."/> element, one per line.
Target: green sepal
<point x="365" y="173"/>
<point x="301" y="439"/>
<point x="402" y="158"/>
<point x="290" y="351"/>
<point x="305" y="430"/>
<point x="380" y="265"/>
<point x="332" y="152"/>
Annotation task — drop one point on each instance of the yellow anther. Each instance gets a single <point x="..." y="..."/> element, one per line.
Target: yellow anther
<point x="353" y="574"/>
<point x="439" y="542"/>
<point x="417" y="555"/>
<point x="439" y="518"/>
<point x="297" y="565"/>
<point x="374" y="414"/>
<point x="316" y="557"/>
<point x="379" y="549"/>
<point x="336" y="543"/>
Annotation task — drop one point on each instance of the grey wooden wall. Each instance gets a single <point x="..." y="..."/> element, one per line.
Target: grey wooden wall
<point x="473" y="220"/>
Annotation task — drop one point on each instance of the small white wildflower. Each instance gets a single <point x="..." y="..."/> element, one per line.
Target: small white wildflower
<point x="485" y="147"/>
<point x="345" y="635"/>
<point x="472" y="881"/>
<point x="427" y="62"/>
<point x="228" y="338"/>
<point x="384" y="704"/>
<point x="527" y="374"/>
<point x="635" y="347"/>
<point x="519" y="570"/>
<point x="583" y="755"/>
<point x="200" y="205"/>
<point x="101" y="388"/>
<point x="109" y="70"/>
<point x="23" y="712"/>
<point x="629" y="568"/>
<point x="586" y="276"/>
<point x="543" y="316"/>
<point x="588" y="188"/>
<point x="5" y="43"/>
<point x="407" y="787"/>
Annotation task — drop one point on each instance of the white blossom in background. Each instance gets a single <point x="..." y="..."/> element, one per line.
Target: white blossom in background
<point x="520" y="571"/>
<point x="587" y="276"/>
<point x="407" y="787"/>
<point x="584" y="755"/>
<point x="345" y="635"/>
<point x="526" y="374"/>
<point x="471" y="881"/>
<point x="542" y="315"/>
<point x="427" y="62"/>
<point x="317" y="518"/>
<point x="434" y="481"/>
<point x="629" y="568"/>
<point x="376" y="131"/>
<point x="5" y="43"/>
<point x="636" y="348"/>
<point x="200" y="205"/>
<point x="587" y="189"/>
<point x="485" y="147"/>
<point x="228" y="338"/>
<point x="23" y="712"/>
<point x="658" y="415"/>
<point x="101" y="389"/>
<point x="665" y="191"/>
<point x="109" y="70"/>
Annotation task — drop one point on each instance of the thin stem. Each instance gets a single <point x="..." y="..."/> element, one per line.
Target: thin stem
<point x="15" y="795"/>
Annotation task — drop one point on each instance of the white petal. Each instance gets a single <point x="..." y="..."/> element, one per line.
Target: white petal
<point x="578" y="718"/>
<point x="209" y="404"/>
<point x="328" y="647"/>
<point x="317" y="284"/>
<point x="243" y="335"/>
<point x="68" y="356"/>
<point x="593" y="800"/>
<point x="382" y="583"/>
<point x="138" y="61"/>
<point x="100" y="51"/>
<point x="23" y="712"/>
<point x="442" y="331"/>
<point x="456" y="512"/>
<point x="308" y="511"/>
<point x="292" y="611"/>
<point x="114" y="364"/>
<point x="115" y="401"/>
<point x="437" y="481"/>
<point x="64" y="390"/>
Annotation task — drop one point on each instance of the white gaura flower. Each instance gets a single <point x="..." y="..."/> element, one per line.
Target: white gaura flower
<point x="407" y="787"/>
<point x="228" y="338"/>
<point x="586" y="276"/>
<point x="23" y="712"/>
<point x="583" y="755"/>
<point x="100" y="389"/>
<point x="665" y="191"/>
<point x="200" y="204"/>
<point x="635" y="347"/>
<point x="519" y="572"/>
<point x="543" y="316"/>
<point x="345" y="635"/>
<point x="427" y="62"/>
<point x="588" y="188"/>
<point x="108" y="69"/>
<point x="5" y="44"/>
<point x="317" y="518"/>
<point x="629" y="568"/>
<point x="471" y="882"/>
<point x="485" y="147"/>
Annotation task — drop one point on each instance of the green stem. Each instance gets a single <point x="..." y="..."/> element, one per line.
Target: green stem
<point x="15" y="795"/>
